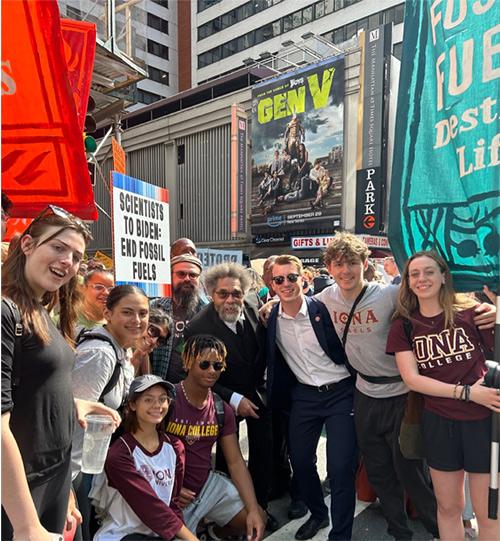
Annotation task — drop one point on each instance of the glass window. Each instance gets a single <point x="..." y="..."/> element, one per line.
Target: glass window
<point x="397" y="50"/>
<point x="287" y="23"/>
<point x="157" y="49"/>
<point x="374" y="20"/>
<point x="338" y="35"/>
<point x="307" y="14"/>
<point x="388" y="16"/>
<point x="143" y="96"/>
<point x="157" y="23"/>
<point x="350" y="30"/>
<point x="163" y="3"/>
<point x="276" y="28"/>
<point x="339" y="4"/>
<point x="362" y="24"/>
<point x="297" y="19"/>
<point x="158" y="75"/>
<point x="228" y="19"/>
<point x="329" y="6"/>
<point x="319" y="9"/>
<point x="205" y="4"/>
<point x="399" y="14"/>
<point x="203" y="32"/>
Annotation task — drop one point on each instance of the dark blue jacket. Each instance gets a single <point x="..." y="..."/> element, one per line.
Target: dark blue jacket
<point x="280" y="379"/>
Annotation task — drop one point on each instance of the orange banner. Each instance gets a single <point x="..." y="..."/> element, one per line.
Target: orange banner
<point x="119" y="160"/>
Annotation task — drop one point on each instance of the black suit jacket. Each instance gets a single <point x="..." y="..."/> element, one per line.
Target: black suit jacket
<point x="280" y="378"/>
<point x="242" y="375"/>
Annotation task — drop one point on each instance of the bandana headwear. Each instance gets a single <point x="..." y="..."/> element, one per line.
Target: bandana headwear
<point x="186" y="258"/>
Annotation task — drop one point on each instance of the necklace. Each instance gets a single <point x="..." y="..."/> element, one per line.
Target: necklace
<point x="184" y="392"/>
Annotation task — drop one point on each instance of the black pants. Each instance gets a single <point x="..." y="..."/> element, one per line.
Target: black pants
<point x="283" y="478"/>
<point x="311" y="410"/>
<point x="260" y="453"/>
<point x="378" y="421"/>
<point x="89" y="526"/>
<point x="51" y="502"/>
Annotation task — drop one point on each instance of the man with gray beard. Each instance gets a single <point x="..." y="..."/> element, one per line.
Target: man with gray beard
<point x="185" y="303"/>
<point x="234" y="320"/>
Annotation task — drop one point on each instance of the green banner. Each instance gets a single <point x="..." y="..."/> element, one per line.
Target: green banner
<point x="445" y="191"/>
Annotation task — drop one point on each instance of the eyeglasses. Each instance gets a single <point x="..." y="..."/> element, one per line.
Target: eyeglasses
<point x="100" y="287"/>
<point x="183" y="274"/>
<point x="223" y="294"/>
<point x="292" y="278"/>
<point x="155" y="332"/>
<point x="216" y="365"/>
<point x="52" y="210"/>
<point x="150" y="401"/>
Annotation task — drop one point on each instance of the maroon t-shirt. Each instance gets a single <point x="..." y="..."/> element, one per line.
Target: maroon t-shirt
<point x="198" y="430"/>
<point x="448" y="355"/>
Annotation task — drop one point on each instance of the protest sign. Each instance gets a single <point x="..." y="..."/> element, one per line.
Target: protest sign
<point x="141" y="239"/>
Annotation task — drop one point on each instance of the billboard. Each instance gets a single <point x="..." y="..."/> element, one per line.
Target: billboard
<point x="298" y="148"/>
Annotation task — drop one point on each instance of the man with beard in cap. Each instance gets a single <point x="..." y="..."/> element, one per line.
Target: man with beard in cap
<point x="185" y="303"/>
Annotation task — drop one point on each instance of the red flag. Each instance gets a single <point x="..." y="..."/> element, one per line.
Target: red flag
<point x="43" y="158"/>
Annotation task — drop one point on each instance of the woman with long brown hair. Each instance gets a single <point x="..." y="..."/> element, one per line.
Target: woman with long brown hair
<point x="440" y="353"/>
<point x="38" y="408"/>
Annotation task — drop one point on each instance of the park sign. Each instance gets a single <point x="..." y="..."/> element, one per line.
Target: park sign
<point x="141" y="238"/>
<point x="445" y="191"/>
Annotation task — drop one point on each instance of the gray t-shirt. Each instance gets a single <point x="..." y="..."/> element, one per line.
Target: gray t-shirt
<point x="367" y="336"/>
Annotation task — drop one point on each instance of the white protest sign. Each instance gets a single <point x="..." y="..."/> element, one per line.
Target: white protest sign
<point x="141" y="238"/>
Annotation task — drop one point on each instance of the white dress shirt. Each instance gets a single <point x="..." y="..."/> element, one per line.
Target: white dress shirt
<point x="303" y="353"/>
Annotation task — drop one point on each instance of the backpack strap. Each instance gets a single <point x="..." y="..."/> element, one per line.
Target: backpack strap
<point x="18" y="333"/>
<point x="85" y="334"/>
<point x="219" y="410"/>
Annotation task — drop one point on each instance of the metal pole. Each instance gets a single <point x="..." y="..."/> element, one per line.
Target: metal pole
<point x="118" y="128"/>
<point x="495" y="430"/>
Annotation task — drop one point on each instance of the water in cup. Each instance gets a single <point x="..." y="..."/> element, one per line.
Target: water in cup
<point x="96" y="442"/>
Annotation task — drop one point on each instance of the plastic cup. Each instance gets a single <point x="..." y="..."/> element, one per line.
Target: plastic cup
<point x="96" y="442"/>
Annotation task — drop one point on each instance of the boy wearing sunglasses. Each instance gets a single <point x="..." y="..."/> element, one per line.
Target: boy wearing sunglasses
<point x="230" y="504"/>
<point x="306" y="374"/>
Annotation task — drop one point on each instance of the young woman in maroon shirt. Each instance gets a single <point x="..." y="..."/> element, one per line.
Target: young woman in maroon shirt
<point x="441" y="355"/>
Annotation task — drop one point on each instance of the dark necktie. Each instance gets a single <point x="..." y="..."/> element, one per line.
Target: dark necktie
<point x="239" y="328"/>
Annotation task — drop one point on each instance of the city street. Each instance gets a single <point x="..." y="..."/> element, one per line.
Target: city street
<point x="369" y="524"/>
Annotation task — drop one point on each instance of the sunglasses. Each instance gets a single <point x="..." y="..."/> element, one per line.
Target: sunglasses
<point x="223" y="294"/>
<point x="292" y="278"/>
<point x="155" y="332"/>
<point x="216" y="365"/>
<point x="52" y="210"/>
<point x="183" y="274"/>
<point x="101" y="287"/>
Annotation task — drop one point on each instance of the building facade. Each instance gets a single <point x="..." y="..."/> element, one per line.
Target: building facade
<point x="226" y="33"/>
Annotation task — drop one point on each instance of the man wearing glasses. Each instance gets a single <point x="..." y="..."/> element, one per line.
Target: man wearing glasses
<point x="97" y="285"/>
<point x="307" y="375"/>
<point x="185" y="303"/>
<point x="234" y="320"/>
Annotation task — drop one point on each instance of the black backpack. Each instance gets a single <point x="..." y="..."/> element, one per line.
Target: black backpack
<point x="88" y="334"/>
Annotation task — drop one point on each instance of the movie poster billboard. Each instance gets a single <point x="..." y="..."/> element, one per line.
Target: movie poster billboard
<point x="297" y="149"/>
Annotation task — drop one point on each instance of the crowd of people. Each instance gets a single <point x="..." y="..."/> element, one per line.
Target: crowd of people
<point x="293" y="353"/>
